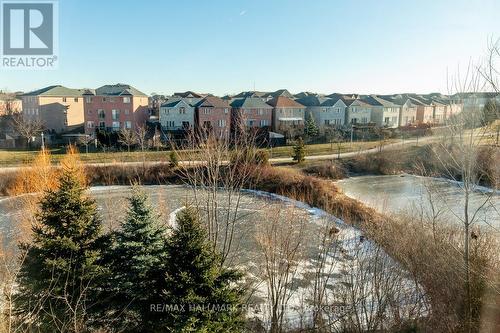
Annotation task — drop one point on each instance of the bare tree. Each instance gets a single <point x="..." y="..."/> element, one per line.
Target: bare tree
<point x="458" y="156"/>
<point x="141" y="133"/>
<point x="217" y="170"/>
<point x="156" y="140"/>
<point x="280" y="240"/>
<point x="8" y="99"/>
<point x="27" y="127"/>
<point x="85" y="140"/>
<point x="128" y="138"/>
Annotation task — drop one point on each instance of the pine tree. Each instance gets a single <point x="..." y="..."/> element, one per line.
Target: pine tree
<point x="299" y="151"/>
<point x="59" y="275"/>
<point x="135" y="261"/>
<point x="174" y="159"/>
<point x="201" y="290"/>
<point x="310" y="128"/>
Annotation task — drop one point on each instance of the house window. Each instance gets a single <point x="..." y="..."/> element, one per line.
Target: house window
<point x="127" y="111"/>
<point x="338" y="122"/>
<point x="88" y="99"/>
<point x="327" y="122"/>
<point x="169" y="123"/>
<point x="64" y="99"/>
<point x="104" y="99"/>
<point x="364" y="120"/>
<point x="353" y="109"/>
<point x="115" y="114"/>
<point x="207" y="123"/>
<point x="126" y="99"/>
<point x="251" y="123"/>
<point x="90" y="124"/>
<point x="128" y="124"/>
<point x="264" y="122"/>
<point x="206" y="111"/>
<point x="221" y="122"/>
<point x="111" y="100"/>
<point x="89" y="111"/>
<point x="116" y="125"/>
<point x="354" y="120"/>
<point x="261" y="112"/>
<point x="182" y="110"/>
<point x="226" y="110"/>
<point x="102" y="124"/>
<point x="185" y="124"/>
<point x="101" y="114"/>
<point x="338" y="110"/>
<point x="76" y="99"/>
<point x="386" y="120"/>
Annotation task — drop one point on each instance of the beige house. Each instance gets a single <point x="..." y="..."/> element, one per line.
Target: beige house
<point x="60" y="109"/>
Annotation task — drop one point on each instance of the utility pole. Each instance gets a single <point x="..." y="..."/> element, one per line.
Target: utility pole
<point x="43" y="143"/>
<point x="352" y="130"/>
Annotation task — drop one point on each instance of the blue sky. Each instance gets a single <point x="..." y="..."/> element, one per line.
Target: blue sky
<point x="226" y="46"/>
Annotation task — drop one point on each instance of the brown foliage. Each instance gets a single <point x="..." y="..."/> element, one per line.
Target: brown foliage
<point x="34" y="178"/>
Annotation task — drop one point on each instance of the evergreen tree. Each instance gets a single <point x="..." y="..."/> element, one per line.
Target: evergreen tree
<point x="299" y="151"/>
<point x="491" y="112"/>
<point x="174" y="159"/>
<point x="135" y="261"/>
<point x="310" y="128"/>
<point x="61" y="271"/>
<point x="197" y="285"/>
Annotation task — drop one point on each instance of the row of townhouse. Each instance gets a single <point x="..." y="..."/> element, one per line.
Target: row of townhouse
<point x="121" y="106"/>
<point x="110" y="107"/>
<point x="223" y="116"/>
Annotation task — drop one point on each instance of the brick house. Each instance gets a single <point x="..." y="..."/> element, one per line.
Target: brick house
<point x="250" y="113"/>
<point x="425" y="110"/>
<point x="213" y="116"/>
<point x="115" y="107"/>
<point x="288" y="116"/>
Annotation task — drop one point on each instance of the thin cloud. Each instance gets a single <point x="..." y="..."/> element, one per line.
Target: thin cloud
<point x="243" y="12"/>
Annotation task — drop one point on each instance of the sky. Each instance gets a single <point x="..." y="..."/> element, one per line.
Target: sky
<point x="228" y="46"/>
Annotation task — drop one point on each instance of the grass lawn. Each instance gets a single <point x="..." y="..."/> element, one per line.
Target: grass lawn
<point x="14" y="158"/>
<point x="327" y="148"/>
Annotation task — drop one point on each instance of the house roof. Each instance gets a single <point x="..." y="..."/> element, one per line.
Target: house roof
<point x="174" y="101"/>
<point x="419" y="100"/>
<point x="118" y="89"/>
<point x="189" y="94"/>
<point x="251" y="94"/>
<point x="378" y="101"/>
<point x="305" y="94"/>
<point x="350" y="101"/>
<point x="56" y="91"/>
<point x="250" y="103"/>
<point x="213" y="101"/>
<point x="284" y="102"/>
<point x="279" y="92"/>
<point x="313" y="100"/>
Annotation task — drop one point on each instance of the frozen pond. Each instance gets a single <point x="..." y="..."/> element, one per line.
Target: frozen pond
<point x="346" y="250"/>
<point x="396" y="193"/>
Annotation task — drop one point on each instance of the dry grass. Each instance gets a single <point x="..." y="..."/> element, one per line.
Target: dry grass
<point x="435" y="260"/>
